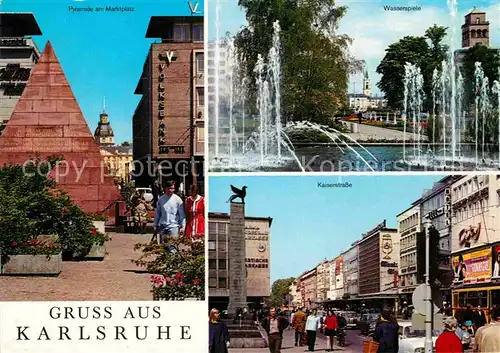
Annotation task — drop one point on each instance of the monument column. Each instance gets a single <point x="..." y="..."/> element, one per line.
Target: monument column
<point x="237" y="251"/>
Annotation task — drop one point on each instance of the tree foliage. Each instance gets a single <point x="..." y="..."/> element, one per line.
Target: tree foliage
<point x="32" y="206"/>
<point x="315" y="61"/>
<point x="279" y="290"/>
<point x="490" y="63"/>
<point x="427" y="52"/>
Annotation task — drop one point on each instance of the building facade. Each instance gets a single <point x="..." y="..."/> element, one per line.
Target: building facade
<point x="18" y="55"/>
<point x="351" y="271"/>
<point x="475" y="30"/>
<point x="378" y="263"/>
<point x="308" y="283"/>
<point x="476" y="241"/>
<point x="323" y="280"/>
<point x="364" y="101"/>
<point x="103" y="134"/>
<point x="332" y="288"/>
<point x="257" y="233"/>
<point x="409" y="226"/>
<point x="168" y="124"/>
<point x="119" y="161"/>
<point x="295" y="293"/>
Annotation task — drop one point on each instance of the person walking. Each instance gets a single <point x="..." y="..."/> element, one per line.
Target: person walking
<point x="312" y="325"/>
<point x="195" y="211"/>
<point x="169" y="218"/>
<point x="298" y="323"/>
<point x="330" y="327"/>
<point x="218" y="338"/>
<point x="487" y="339"/>
<point x="479" y="318"/>
<point x="274" y="325"/>
<point x="448" y="340"/>
<point x="386" y="334"/>
<point x="469" y="319"/>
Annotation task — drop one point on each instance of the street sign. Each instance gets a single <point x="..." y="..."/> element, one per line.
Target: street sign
<point x="419" y="296"/>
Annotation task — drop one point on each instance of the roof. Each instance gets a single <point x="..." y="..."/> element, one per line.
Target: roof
<point x="476" y="11"/>
<point x="438" y="187"/>
<point x="159" y="25"/>
<point x="226" y="216"/>
<point x="103" y="130"/>
<point x="18" y="24"/>
<point x="118" y="149"/>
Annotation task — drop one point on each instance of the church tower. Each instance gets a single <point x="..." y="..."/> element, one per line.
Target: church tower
<point x="475" y="30"/>
<point x="367" y="87"/>
<point x="103" y="134"/>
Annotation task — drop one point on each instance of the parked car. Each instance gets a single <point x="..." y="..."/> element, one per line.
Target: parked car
<point x="352" y="319"/>
<point x="367" y="322"/>
<point x="148" y="193"/>
<point x="411" y="341"/>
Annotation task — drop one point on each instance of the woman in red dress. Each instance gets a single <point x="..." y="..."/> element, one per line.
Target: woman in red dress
<point x="195" y="212"/>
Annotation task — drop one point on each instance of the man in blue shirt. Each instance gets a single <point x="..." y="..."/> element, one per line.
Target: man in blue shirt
<point x="170" y="218"/>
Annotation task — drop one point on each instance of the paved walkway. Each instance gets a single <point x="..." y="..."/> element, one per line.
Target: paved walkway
<point x="288" y="346"/>
<point x="114" y="278"/>
<point x="366" y="132"/>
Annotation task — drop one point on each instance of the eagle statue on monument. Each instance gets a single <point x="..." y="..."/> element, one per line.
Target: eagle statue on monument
<point x="238" y="193"/>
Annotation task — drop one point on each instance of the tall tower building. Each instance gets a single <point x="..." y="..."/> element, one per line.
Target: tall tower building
<point x="104" y="134"/>
<point x="367" y="87"/>
<point x="475" y="30"/>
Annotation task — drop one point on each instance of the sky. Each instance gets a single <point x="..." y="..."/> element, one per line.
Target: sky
<point x="311" y="223"/>
<point x="102" y="54"/>
<point x="373" y="29"/>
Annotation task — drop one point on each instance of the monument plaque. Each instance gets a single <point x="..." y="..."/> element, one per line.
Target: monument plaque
<point x="237" y="264"/>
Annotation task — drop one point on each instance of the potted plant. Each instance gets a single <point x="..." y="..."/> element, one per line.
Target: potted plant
<point x="31" y="257"/>
<point x="99" y="221"/>
<point x="98" y="249"/>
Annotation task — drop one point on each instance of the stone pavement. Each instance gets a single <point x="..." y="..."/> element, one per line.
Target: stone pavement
<point x="366" y="132"/>
<point x="288" y="346"/>
<point x="114" y="278"/>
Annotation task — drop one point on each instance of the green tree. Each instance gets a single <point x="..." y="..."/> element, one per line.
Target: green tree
<point x="315" y="62"/>
<point x="279" y="290"/>
<point x="426" y="52"/>
<point x="490" y="63"/>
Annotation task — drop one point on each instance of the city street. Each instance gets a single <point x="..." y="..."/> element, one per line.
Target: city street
<point x="354" y="344"/>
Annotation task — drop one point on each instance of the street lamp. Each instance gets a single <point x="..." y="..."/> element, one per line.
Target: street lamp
<point x="428" y="296"/>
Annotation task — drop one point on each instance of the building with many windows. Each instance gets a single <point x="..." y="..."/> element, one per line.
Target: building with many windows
<point x="351" y="268"/>
<point x="378" y="257"/>
<point x="409" y="227"/>
<point x="308" y="282"/>
<point x="168" y="124"/>
<point x="257" y="233"/>
<point x="18" y="55"/>
<point x="323" y="280"/>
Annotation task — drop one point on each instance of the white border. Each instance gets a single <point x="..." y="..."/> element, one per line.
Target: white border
<point x="205" y="164"/>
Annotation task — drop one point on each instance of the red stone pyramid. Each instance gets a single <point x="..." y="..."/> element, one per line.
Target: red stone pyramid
<point x="47" y="121"/>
